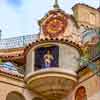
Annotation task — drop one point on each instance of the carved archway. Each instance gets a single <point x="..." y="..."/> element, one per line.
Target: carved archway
<point x="81" y="94"/>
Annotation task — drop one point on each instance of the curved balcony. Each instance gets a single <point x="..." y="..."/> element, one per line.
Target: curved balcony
<point x="52" y="83"/>
<point x="51" y="68"/>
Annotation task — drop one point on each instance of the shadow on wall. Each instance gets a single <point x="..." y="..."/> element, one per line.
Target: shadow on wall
<point x="15" y="96"/>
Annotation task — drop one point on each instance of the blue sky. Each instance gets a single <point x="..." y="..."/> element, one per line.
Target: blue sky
<point x="19" y="17"/>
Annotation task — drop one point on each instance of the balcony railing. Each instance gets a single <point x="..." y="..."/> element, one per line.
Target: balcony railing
<point x="17" y="42"/>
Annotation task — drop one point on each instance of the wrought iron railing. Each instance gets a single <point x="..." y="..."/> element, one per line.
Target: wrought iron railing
<point x="17" y="42"/>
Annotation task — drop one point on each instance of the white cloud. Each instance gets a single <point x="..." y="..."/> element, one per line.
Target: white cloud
<point x="24" y="20"/>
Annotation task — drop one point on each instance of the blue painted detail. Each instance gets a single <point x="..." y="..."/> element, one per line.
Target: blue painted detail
<point x="9" y="66"/>
<point x="93" y="67"/>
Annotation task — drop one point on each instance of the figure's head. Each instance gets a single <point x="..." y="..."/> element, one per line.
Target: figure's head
<point x="48" y="51"/>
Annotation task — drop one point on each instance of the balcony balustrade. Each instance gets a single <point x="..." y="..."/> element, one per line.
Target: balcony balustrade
<point x="17" y="42"/>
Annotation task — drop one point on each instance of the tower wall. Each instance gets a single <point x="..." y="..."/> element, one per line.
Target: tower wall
<point x="86" y="15"/>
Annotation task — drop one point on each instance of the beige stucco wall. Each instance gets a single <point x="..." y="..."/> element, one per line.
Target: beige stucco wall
<point x="92" y="86"/>
<point x="9" y="83"/>
<point x="68" y="57"/>
<point x="86" y="15"/>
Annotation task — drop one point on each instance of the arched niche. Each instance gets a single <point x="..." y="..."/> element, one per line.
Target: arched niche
<point x="67" y="56"/>
<point x="46" y="56"/>
<point x="15" y="96"/>
<point x="81" y="93"/>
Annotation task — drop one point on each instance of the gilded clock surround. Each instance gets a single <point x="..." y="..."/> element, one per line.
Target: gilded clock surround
<point x="55" y="24"/>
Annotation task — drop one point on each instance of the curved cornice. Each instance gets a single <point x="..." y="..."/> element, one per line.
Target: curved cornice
<point x="52" y="40"/>
<point x="12" y="53"/>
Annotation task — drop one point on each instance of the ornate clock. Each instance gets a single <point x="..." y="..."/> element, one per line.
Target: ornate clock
<point x="55" y="26"/>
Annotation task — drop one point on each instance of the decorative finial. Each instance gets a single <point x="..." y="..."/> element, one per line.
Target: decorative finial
<point x="56" y="4"/>
<point x="99" y="6"/>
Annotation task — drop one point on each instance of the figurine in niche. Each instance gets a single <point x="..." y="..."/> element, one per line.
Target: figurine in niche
<point x="48" y="58"/>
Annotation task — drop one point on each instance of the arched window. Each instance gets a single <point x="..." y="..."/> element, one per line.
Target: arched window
<point x="81" y="94"/>
<point x="15" y="96"/>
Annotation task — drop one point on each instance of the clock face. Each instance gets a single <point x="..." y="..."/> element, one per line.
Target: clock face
<point x="54" y="26"/>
